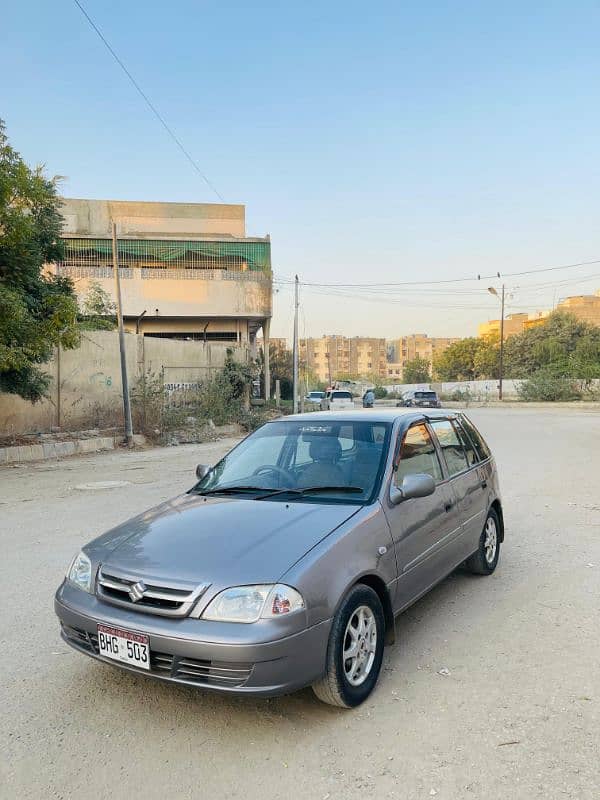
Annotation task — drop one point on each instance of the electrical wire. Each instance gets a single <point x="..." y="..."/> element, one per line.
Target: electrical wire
<point x="147" y="100"/>
<point x="387" y="285"/>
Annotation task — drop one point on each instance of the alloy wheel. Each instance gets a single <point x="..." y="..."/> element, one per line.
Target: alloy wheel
<point x="490" y="541"/>
<point x="360" y="644"/>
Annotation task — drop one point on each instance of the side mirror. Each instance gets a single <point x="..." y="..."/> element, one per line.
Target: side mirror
<point x="418" y="485"/>
<point x="202" y="471"/>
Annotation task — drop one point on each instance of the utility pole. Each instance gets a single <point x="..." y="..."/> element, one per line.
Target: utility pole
<point x="124" y="382"/>
<point x="295" y="354"/>
<point x="501" y="347"/>
<point x="500" y="297"/>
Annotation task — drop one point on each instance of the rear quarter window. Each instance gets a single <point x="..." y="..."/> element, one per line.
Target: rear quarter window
<point x="481" y="448"/>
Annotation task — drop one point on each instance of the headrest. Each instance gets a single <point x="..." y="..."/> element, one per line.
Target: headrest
<point x="325" y="448"/>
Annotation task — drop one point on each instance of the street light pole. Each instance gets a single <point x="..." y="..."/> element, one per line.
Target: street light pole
<point x="493" y="291"/>
<point x="295" y="354"/>
<point x="501" y="347"/>
<point x="124" y="381"/>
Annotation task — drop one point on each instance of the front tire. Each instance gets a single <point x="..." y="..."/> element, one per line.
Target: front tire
<point x="354" y="651"/>
<point x="485" y="559"/>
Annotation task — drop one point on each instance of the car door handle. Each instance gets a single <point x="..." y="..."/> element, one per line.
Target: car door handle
<point x="484" y="484"/>
<point x="448" y="506"/>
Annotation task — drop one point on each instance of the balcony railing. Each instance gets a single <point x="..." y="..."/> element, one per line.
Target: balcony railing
<point x="166" y="257"/>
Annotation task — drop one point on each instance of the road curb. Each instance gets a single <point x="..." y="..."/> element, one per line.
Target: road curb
<point x="40" y="452"/>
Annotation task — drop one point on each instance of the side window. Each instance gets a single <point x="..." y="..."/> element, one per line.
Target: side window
<point x="452" y="449"/>
<point x="417" y="455"/>
<point x="480" y="446"/>
<point x="346" y="437"/>
<point x="379" y="433"/>
<point x="466" y="443"/>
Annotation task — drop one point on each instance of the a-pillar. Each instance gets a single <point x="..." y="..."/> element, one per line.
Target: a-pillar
<point x="266" y="332"/>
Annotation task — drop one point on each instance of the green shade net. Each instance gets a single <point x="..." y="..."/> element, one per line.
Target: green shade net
<point x="238" y="255"/>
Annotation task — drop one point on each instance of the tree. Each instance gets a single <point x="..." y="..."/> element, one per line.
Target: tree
<point x="457" y="362"/>
<point x="237" y="376"/>
<point x="562" y="347"/>
<point x="282" y="369"/>
<point x="486" y="362"/>
<point x="98" y="310"/>
<point x="37" y="311"/>
<point x="416" y="371"/>
<point x="469" y="360"/>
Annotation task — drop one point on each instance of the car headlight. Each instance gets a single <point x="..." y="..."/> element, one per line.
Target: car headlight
<point x="251" y="603"/>
<point x="80" y="572"/>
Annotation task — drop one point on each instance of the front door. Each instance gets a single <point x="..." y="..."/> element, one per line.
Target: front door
<point x="421" y="527"/>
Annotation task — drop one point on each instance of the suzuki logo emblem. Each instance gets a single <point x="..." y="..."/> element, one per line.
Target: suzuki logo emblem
<point x="136" y="591"/>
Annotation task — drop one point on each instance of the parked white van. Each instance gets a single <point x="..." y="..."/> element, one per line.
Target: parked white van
<point x="337" y="400"/>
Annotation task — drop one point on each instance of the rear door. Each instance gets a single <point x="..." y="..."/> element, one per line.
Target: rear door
<point x="469" y="488"/>
<point x="422" y="527"/>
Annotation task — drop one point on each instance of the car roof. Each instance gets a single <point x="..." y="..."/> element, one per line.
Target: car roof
<point x="373" y="414"/>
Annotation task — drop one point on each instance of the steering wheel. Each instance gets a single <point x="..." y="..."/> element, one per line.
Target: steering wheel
<point x="285" y="477"/>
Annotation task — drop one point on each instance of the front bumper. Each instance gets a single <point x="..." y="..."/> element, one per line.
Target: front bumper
<point x="179" y="654"/>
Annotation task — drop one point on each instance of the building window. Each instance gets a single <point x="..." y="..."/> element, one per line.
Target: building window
<point x="195" y="336"/>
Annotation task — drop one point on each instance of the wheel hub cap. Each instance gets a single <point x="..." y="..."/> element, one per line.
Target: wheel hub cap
<point x="360" y="644"/>
<point x="490" y="540"/>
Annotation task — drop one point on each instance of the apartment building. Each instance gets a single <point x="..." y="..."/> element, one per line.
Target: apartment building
<point x="513" y="323"/>
<point x="414" y="345"/>
<point x="332" y="357"/>
<point x="585" y="307"/>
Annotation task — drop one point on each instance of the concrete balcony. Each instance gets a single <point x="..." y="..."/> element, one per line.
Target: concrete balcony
<point x="182" y="293"/>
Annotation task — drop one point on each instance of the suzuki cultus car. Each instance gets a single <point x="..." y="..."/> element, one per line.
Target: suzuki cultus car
<point x="286" y="563"/>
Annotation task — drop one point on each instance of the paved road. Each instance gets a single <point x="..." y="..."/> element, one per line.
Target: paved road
<point x="518" y="715"/>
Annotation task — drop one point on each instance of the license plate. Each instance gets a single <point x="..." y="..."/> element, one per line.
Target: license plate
<point x="124" y="646"/>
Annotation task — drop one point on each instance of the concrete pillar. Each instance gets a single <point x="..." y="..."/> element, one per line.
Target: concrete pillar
<point x="266" y="332"/>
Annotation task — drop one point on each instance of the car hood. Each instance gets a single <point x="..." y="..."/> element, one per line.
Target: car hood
<point x="222" y="541"/>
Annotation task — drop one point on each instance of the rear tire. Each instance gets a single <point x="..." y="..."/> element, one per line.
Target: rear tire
<point x="485" y="559"/>
<point x="354" y="651"/>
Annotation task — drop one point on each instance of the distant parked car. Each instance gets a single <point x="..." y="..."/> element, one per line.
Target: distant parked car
<point x="418" y="398"/>
<point x="315" y="397"/>
<point x="285" y="565"/>
<point x="337" y="400"/>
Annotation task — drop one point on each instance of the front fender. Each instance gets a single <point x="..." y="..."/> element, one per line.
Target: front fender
<point x="360" y="547"/>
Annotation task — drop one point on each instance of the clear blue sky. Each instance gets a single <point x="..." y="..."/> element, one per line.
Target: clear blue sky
<point x="374" y="142"/>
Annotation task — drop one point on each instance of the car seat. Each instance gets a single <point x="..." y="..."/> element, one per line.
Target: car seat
<point x="324" y="470"/>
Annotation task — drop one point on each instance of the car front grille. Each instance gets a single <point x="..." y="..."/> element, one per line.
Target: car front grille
<point x="152" y="597"/>
<point x="167" y="665"/>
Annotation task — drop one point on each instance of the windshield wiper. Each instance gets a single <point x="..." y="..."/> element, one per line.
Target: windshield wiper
<point x="313" y="490"/>
<point x="271" y="491"/>
<point x="233" y="489"/>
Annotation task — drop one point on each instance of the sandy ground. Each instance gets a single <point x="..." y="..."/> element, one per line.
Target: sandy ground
<point x="517" y="717"/>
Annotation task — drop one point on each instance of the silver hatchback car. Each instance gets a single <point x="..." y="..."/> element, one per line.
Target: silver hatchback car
<point x="285" y="565"/>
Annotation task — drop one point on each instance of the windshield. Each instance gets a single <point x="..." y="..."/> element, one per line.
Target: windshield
<point x="317" y="462"/>
<point x="426" y="395"/>
<point x="317" y="395"/>
<point x="341" y="396"/>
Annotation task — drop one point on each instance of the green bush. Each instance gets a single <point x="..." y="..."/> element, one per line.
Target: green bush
<point x="545" y="387"/>
<point x="380" y="392"/>
<point x="221" y="398"/>
<point x="462" y="395"/>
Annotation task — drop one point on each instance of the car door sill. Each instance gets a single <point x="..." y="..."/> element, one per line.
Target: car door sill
<point x="431" y="586"/>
